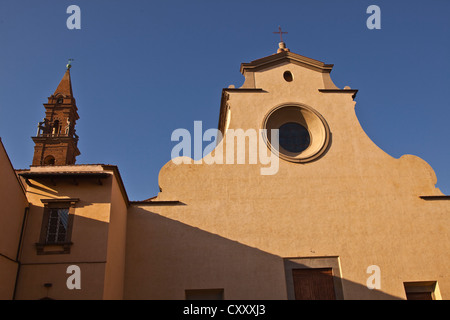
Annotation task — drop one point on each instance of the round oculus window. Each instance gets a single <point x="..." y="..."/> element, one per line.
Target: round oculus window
<point x="294" y="137"/>
<point x="301" y="133"/>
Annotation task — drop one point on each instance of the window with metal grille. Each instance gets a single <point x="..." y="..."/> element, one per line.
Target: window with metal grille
<point x="57" y="225"/>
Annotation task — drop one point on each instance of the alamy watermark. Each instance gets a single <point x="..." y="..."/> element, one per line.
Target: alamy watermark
<point x="237" y="147"/>
<point x="374" y="280"/>
<point x="374" y="20"/>
<point x="74" y="280"/>
<point x="74" y="20"/>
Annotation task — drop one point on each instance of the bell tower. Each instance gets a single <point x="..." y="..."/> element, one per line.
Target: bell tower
<point x="56" y="140"/>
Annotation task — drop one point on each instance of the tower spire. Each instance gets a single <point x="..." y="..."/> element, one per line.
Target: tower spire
<point x="65" y="86"/>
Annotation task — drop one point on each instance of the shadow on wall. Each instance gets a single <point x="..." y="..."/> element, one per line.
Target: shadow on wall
<point x="165" y="258"/>
<point x="43" y="269"/>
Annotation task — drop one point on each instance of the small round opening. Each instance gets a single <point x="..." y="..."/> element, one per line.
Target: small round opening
<point x="287" y="75"/>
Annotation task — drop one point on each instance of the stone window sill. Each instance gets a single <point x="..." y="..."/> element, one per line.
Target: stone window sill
<point x="53" y="248"/>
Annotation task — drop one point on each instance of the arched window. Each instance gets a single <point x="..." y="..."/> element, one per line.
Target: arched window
<point x="49" y="161"/>
<point x="56" y="128"/>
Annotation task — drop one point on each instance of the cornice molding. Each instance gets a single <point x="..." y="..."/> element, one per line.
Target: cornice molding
<point x="284" y="57"/>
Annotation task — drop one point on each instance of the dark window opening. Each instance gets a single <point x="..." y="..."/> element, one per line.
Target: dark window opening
<point x="57" y="225"/>
<point x="294" y="137"/>
<point x="287" y="75"/>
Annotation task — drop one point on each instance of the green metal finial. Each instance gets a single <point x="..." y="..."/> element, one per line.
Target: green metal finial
<point x="69" y="64"/>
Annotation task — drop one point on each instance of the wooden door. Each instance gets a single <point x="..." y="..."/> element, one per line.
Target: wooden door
<point x="313" y="284"/>
<point x="419" y="296"/>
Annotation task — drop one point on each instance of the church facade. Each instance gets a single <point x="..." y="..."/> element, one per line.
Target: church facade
<point x="336" y="218"/>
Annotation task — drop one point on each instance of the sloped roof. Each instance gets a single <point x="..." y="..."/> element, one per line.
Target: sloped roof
<point x="283" y="57"/>
<point x="65" y="86"/>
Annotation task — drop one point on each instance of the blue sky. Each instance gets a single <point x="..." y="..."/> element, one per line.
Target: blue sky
<point x="145" y="68"/>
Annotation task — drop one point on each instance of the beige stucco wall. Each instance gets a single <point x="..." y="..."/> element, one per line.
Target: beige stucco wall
<point x="7" y="278"/>
<point x="235" y="226"/>
<point x="33" y="276"/>
<point x="13" y="204"/>
<point x="165" y="257"/>
<point x="115" y="265"/>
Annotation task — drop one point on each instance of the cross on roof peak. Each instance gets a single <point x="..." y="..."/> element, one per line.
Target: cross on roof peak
<point x="280" y="33"/>
<point x="281" y="45"/>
